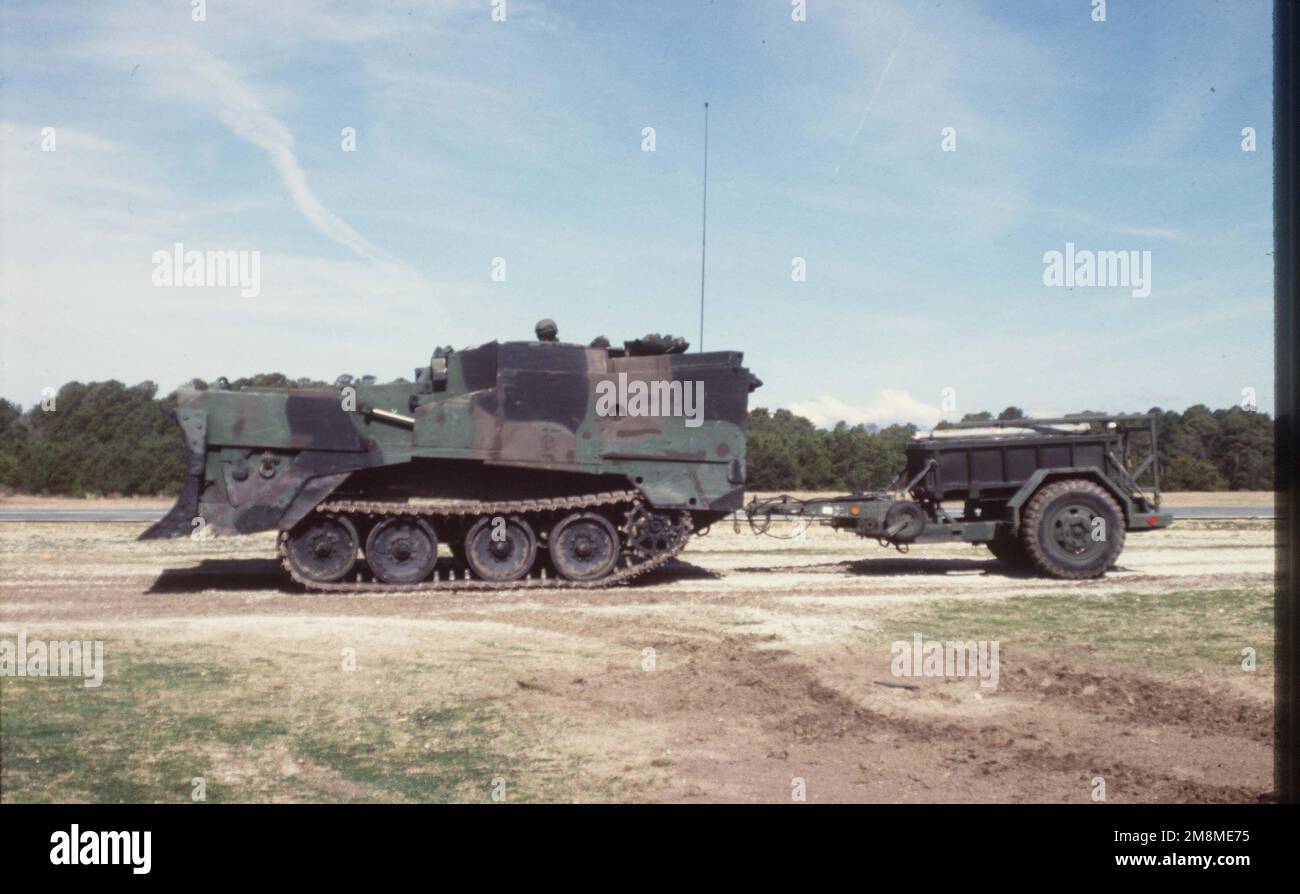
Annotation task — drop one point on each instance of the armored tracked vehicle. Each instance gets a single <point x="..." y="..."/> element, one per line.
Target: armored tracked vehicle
<point x="536" y="463"/>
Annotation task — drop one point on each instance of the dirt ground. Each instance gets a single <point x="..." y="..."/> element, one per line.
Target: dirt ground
<point x="755" y="670"/>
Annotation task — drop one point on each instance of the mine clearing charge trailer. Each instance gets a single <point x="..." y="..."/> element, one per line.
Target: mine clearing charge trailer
<point x="1056" y="495"/>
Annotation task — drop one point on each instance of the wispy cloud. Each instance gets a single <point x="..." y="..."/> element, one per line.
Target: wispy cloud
<point x="186" y="72"/>
<point x="245" y="114"/>
<point x="1080" y="218"/>
<point x="884" y="73"/>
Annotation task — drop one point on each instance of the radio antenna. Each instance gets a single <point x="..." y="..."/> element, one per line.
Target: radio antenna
<point x="704" y="224"/>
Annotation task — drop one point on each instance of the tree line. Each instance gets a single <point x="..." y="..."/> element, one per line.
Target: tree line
<point x="1199" y="449"/>
<point x="106" y="438"/>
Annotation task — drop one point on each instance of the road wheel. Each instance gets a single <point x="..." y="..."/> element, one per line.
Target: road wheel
<point x="500" y="549"/>
<point x="323" y="548"/>
<point x="1072" y="529"/>
<point x="1009" y="551"/>
<point x="583" y="546"/>
<point x="402" y="550"/>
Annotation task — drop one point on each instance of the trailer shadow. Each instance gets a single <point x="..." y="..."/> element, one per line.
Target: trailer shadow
<point x="897" y="565"/>
<point x="894" y="566"/>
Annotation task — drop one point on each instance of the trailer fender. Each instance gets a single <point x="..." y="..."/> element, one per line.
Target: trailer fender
<point x="1043" y="476"/>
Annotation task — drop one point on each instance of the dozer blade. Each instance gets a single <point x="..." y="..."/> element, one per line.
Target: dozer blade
<point x="179" y="521"/>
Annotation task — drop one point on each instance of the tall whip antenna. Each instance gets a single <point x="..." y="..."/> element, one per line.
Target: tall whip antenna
<point x="704" y="226"/>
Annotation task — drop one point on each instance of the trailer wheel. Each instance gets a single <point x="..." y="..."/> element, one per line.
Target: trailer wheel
<point x="1072" y="529"/>
<point x="1009" y="551"/>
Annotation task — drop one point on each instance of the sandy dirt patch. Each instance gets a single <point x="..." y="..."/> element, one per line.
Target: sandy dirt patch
<point x="752" y="670"/>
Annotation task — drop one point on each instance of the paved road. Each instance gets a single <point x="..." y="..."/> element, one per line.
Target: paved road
<point x="81" y="515"/>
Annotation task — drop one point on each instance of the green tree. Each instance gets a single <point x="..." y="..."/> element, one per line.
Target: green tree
<point x="101" y="438"/>
<point x="106" y="437"/>
<point x="1187" y="473"/>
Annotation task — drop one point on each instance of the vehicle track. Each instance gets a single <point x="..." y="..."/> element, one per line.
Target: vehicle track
<point x="539" y="513"/>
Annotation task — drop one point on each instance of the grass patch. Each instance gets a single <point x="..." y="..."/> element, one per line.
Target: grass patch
<point x="437" y="755"/>
<point x="61" y="741"/>
<point x="259" y="728"/>
<point x="1185" y="630"/>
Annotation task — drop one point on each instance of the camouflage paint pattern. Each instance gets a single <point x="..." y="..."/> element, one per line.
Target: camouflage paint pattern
<point x="499" y="418"/>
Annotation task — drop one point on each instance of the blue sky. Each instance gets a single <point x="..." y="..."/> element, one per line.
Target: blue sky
<point x="522" y="139"/>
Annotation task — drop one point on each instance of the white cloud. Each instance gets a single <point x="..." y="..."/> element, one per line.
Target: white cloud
<point x="889" y="406"/>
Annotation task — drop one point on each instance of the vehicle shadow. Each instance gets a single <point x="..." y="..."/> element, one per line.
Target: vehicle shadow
<point x="236" y="575"/>
<point x="241" y="575"/>
<point x="674" y="571"/>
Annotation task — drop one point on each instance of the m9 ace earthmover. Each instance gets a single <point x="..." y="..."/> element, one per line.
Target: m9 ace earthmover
<point x="1052" y="495"/>
<point x="535" y="463"/>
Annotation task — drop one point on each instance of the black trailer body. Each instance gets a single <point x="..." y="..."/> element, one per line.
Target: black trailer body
<point x="1057" y="495"/>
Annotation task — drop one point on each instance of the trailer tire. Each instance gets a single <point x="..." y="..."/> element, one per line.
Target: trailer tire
<point x="1058" y="524"/>
<point x="1009" y="551"/>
